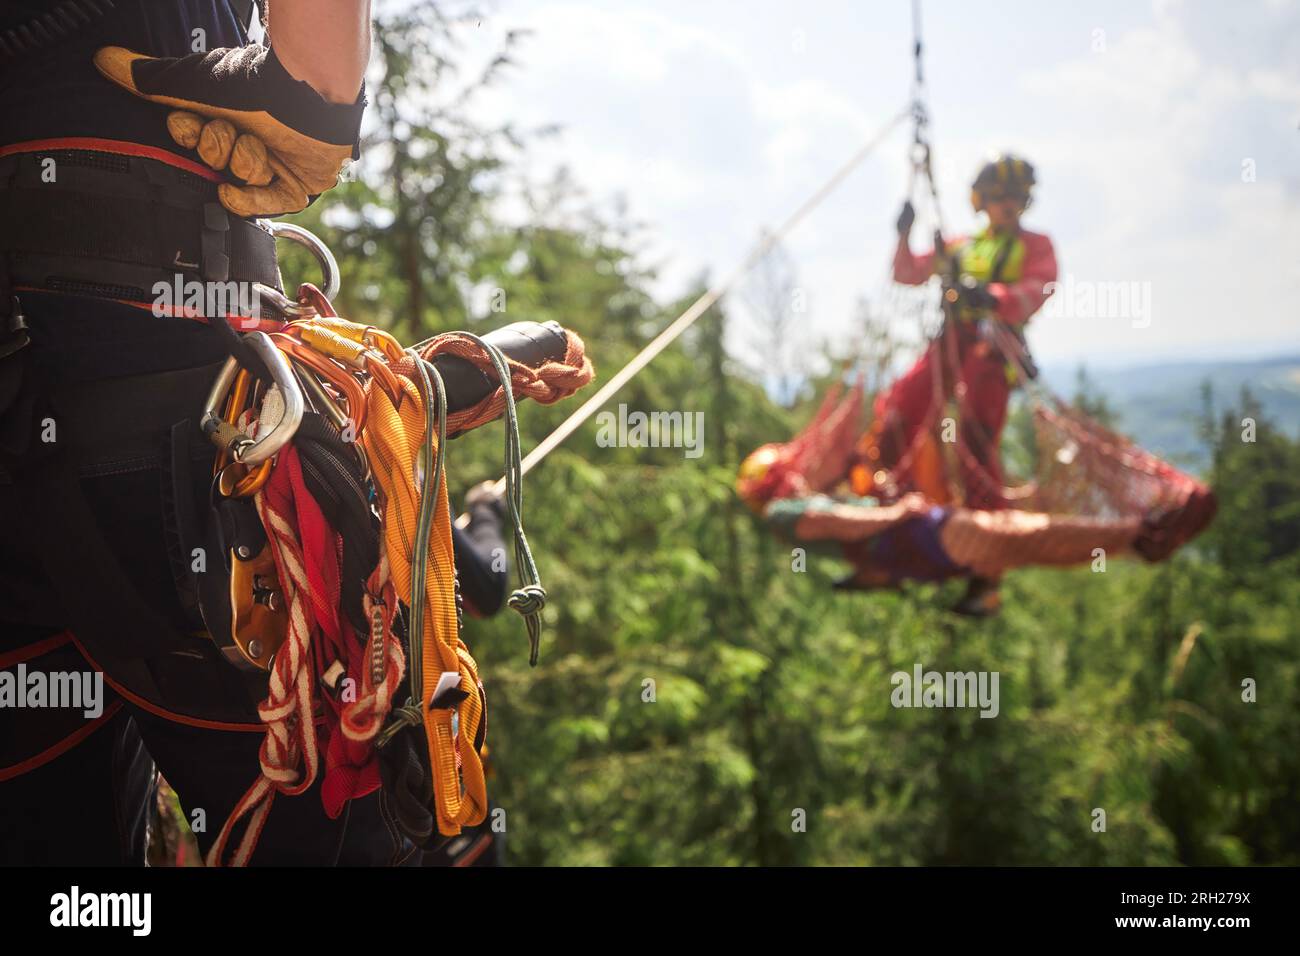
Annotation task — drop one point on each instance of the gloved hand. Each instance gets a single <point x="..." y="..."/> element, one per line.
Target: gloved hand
<point x="244" y="113"/>
<point x="975" y="296"/>
<point x="906" y="217"/>
<point x="484" y="494"/>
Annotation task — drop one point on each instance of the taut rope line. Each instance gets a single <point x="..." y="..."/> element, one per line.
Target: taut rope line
<point x="700" y="306"/>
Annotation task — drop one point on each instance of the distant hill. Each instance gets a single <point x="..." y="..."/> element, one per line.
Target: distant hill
<point x="1158" y="405"/>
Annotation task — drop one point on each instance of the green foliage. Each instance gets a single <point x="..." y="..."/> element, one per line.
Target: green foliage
<point x="770" y="693"/>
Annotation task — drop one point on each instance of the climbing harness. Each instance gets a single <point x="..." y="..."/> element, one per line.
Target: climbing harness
<point x="330" y="493"/>
<point x="117" y="221"/>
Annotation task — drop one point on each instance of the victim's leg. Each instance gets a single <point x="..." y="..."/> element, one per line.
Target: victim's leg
<point x="990" y="542"/>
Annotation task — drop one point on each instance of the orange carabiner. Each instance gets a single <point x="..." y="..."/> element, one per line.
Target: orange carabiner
<point x="339" y="376"/>
<point x="247" y="484"/>
<point x="236" y="401"/>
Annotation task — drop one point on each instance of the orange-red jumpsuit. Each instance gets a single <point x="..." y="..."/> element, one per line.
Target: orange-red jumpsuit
<point x="1025" y="267"/>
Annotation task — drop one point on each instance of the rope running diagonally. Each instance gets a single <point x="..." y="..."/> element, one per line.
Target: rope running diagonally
<point x="701" y="305"/>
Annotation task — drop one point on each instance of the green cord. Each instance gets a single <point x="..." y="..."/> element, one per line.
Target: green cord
<point x="411" y="714"/>
<point x="530" y="597"/>
<point x="432" y="484"/>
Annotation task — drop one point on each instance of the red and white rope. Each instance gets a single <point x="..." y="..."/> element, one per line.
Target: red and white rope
<point x="289" y="755"/>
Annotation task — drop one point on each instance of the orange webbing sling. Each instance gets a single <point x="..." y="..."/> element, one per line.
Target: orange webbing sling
<point x="400" y="424"/>
<point x="395" y="406"/>
<point x="393" y="441"/>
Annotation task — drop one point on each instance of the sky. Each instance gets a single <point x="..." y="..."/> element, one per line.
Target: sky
<point x="1166" y="136"/>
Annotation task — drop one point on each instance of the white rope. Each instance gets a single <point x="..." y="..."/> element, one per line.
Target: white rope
<point x="699" y="307"/>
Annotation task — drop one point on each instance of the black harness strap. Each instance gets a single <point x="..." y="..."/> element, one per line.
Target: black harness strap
<point x="87" y="222"/>
<point x="335" y="478"/>
<point x="1001" y="259"/>
<point x="1024" y="360"/>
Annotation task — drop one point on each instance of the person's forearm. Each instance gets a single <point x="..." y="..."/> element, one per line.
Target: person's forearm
<point x="480" y="563"/>
<point x="324" y="43"/>
<point x="909" y="268"/>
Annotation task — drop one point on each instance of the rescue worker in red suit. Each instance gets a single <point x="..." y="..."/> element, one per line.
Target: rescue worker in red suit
<point x="1006" y="274"/>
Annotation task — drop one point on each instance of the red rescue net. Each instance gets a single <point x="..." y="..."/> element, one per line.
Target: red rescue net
<point x="1081" y="470"/>
<point x="1086" y="469"/>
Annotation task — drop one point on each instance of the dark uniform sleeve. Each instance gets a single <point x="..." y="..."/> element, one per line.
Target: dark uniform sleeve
<point x="481" y="563"/>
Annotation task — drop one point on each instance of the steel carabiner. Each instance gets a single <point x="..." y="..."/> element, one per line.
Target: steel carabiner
<point x="227" y="435"/>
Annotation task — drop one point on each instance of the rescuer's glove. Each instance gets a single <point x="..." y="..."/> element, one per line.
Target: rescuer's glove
<point x="244" y="113"/>
<point x="973" y="296"/>
<point x="906" y="217"/>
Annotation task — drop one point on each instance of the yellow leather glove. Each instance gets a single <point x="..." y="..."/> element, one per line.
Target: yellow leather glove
<point x="243" y="113"/>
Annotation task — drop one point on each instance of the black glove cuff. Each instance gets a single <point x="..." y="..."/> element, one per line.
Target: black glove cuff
<point x="251" y="79"/>
<point x="310" y="113"/>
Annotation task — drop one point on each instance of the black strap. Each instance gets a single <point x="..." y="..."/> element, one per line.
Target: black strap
<point x="1024" y="360"/>
<point x="184" y="526"/>
<point x="1001" y="259"/>
<point x="336" y="479"/>
<point x="84" y="222"/>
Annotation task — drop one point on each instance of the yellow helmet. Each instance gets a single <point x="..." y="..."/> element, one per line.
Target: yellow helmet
<point x="1003" y="177"/>
<point x="759" y="475"/>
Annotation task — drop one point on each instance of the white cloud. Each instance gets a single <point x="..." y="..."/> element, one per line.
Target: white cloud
<point x="1160" y="133"/>
<point x="714" y="123"/>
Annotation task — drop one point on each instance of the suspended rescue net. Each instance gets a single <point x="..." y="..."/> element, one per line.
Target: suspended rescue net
<point x="1090" y="487"/>
<point x="1080" y="467"/>
<point x="1086" y="469"/>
